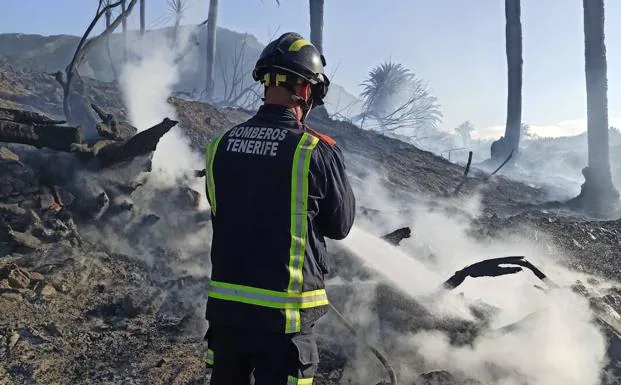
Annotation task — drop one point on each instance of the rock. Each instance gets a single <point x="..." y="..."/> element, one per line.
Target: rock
<point x="46" y="290"/>
<point x="46" y="235"/>
<point x="35" y="276"/>
<point x="25" y="240"/>
<point x="46" y="201"/>
<point x="13" y="339"/>
<point x="161" y="363"/>
<point x="61" y="287"/>
<point x="12" y="296"/>
<point x="7" y="154"/>
<point x="52" y="330"/>
<point x="19" y="279"/>
<point x="63" y="196"/>
<point x="17" y="179"/>
<point x="35" y="219"/>
<point x="15" y="217"/>
<point x="11" y="209"/>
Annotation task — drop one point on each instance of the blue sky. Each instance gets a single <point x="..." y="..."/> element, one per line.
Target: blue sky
<point x="457" y="46"/>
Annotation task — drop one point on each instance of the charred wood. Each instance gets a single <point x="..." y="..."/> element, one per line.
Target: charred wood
<point x="111" y="128"/>
<point x="501" y="166"/>
<point x="463" y="179"/>
<point x="27" y="117"/>
<point x="110" y="152"/>
<point x="398" y="235"/>
<point x="140" y="144"/>
<point x="46" y="135"/>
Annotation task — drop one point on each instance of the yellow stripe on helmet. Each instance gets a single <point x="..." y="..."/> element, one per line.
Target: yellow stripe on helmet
<point x="298" y="44"/>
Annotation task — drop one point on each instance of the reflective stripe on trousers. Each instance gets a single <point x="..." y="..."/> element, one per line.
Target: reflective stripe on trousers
<point x="267" y="298"/>
<point x="299" y="381"/>
<point x="210" y="357"/>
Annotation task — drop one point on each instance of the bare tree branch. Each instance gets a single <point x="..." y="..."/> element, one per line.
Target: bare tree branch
<point x="85" y="46"/>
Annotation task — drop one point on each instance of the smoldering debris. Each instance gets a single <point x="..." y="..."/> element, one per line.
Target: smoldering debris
<point x="123" y="301"/>
<point x="395" y="237"/>
<point x="62" y="198"/>
<point x="46" y="191"/>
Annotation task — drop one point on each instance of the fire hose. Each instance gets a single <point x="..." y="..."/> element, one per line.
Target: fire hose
<point x="381" y="357"/>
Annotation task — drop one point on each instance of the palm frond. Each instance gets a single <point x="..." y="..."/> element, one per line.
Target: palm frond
<point x="395" y="98"/>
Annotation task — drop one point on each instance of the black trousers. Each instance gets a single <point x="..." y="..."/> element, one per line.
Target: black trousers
<point x="248" y="357"/>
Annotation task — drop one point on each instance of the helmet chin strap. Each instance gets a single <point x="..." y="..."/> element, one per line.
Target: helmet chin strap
<point x="306" y="106"/>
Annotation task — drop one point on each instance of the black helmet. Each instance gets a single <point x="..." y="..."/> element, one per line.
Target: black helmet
<point x="289" y="59"/>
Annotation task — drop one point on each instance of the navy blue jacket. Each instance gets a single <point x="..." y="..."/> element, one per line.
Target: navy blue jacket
<point x="276" y="189"/>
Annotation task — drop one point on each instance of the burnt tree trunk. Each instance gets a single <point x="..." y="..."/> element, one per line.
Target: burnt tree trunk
<point x="316" y="23"/>
<point x="108" y="19"/>
<point x="316" y="36"/>
<point x="212" y="24"/>
<point x="108" y="47"/>
<point x="513" y="42"/>
<point x="142" y="17"/>
<point x="37" y="130"/>
<point x="598" y="194"/>
<point x="124" y="27"/>
<point x="84" y="47"/>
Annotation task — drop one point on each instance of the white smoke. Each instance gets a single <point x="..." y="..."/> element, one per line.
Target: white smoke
<point x="146" y="83"/>
<point x="147" y="80"/>
<point x="558" y="344"/>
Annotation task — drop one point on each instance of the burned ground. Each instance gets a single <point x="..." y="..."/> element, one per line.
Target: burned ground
<point x="101" y="283"/>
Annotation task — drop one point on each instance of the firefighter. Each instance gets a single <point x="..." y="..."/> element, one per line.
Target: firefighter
<point x="276" y="188"/>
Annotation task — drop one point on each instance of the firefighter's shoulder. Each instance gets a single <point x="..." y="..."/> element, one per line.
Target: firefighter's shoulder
<point x="323" y="137"/>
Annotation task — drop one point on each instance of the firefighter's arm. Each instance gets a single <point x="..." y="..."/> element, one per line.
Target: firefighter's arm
<point x="337" y="206"/>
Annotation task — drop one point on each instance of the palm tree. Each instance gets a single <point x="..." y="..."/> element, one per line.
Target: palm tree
<point x="124" y="27"/>
<point x="395" y="98"/>
<point x="212" y="23"/>
<point x="514" y="71"/>
<point x="142" y="17"/>
<point x="178" y="8"/>
<point x="465" y="130"/>
<point x="316" y="23"/>
<point x="513" y="46"/>
<point x="108" y="14"/>
<point x="598" y="192"/>
<point x="382" y="83"/>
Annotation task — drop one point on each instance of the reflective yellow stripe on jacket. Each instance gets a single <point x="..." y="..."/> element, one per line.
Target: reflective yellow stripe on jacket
<point x="209" y="159"/>
<point x="294" y="298"/>
<point x="299" y="224"/>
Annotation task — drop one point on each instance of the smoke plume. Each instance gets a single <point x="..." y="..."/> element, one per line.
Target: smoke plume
<point x="555" y="340"/>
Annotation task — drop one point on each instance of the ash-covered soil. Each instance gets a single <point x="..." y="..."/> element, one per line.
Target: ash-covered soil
<point x="103" y="268"/>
